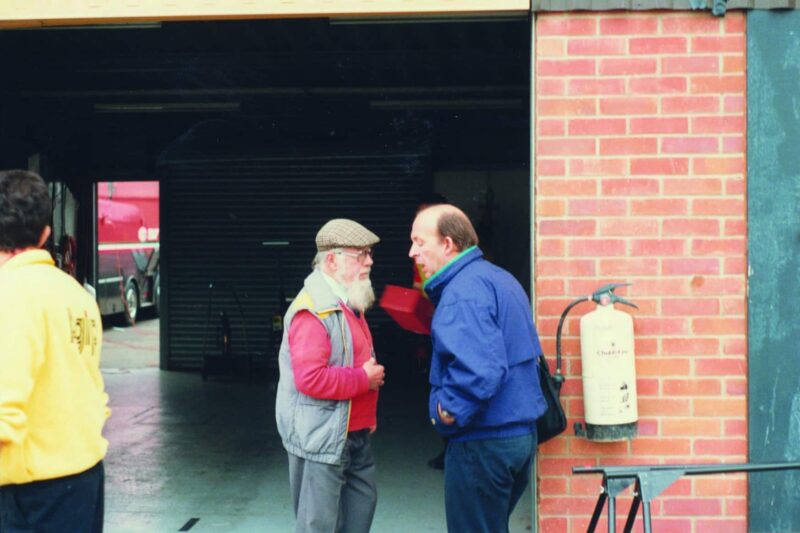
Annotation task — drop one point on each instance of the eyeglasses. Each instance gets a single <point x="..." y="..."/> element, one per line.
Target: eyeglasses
<point x="360" y="256"/>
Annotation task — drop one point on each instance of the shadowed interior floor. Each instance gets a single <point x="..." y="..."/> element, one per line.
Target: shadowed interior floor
<point x="184" y="449"/>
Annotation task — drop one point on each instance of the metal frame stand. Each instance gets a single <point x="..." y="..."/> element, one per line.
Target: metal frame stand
<point x="649" y="482"/>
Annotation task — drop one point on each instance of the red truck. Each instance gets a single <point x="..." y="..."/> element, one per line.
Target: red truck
<point x="127" y="247"/>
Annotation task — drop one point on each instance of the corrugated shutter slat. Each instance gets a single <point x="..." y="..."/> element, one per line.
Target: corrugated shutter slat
<point x="218" y="213"/>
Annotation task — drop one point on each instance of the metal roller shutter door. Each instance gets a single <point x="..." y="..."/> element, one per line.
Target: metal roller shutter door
<point x="218" y="213"/>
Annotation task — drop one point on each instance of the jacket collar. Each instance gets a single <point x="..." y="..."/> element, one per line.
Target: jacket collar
<point x="321" y="292"/>
<point x="28" y="257"/>
<point x="436" y="283"/>
<point x="339" y="291"/>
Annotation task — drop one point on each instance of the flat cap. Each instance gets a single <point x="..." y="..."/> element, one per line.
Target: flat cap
<point x="344" y="233"/>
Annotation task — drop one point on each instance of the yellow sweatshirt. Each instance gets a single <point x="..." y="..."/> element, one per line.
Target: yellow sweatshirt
<point x="52" y="400"/>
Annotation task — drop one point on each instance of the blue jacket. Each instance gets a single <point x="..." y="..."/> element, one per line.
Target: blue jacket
<point x="485" y="351"/>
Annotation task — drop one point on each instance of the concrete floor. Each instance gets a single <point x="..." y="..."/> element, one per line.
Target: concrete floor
<point x="184" y="449"/>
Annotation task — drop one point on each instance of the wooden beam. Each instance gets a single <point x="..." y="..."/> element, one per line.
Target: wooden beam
<point x="43" y="13"/>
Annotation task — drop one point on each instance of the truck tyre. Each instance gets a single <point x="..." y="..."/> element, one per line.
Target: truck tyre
<point x="131" y="302"/>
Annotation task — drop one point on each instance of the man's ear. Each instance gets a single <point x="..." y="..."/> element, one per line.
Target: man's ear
<point x="330" y="262"/>
<point x="44" y="236"/>
<point x="449" y="246"/>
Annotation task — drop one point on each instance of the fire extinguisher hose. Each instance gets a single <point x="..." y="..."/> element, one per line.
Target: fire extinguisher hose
<point x="559" y="377"/>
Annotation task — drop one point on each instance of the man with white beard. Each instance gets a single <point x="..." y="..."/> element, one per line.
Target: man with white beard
<point x="328" y="388"/>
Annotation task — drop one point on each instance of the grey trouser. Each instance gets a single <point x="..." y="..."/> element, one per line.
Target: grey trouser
<point x="335" y="498"/>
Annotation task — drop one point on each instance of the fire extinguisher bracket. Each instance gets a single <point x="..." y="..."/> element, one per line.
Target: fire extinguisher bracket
<point x="609" y="433"/>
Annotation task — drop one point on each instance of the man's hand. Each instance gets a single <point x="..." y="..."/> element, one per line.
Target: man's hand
<point x="375" y="373"/>
<point x="446" y="418"/>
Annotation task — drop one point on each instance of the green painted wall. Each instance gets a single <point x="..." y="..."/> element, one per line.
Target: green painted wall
<point x="773" y="174"/>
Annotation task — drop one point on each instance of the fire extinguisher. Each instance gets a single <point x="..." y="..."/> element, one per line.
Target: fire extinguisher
<point x="609" y="367"/>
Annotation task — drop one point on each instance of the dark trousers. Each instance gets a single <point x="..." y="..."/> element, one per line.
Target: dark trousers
<point x="484" y="480"/>
<point x="66" y="504"/>
<point x="335" y="498"/>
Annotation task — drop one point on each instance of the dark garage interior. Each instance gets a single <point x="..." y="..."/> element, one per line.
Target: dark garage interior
<point x="259" y="131"/>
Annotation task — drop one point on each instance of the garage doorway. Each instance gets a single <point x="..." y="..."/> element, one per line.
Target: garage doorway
<point x="258" y="132"/>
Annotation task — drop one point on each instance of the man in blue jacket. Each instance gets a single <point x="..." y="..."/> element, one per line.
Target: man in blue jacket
<point x="485" y="394"/>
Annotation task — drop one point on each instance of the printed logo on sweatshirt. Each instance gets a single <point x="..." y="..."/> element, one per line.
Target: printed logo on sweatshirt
<point x="83" y="332"/>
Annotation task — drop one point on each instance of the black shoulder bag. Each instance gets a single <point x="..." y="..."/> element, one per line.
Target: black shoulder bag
<point x="553" y="422"/>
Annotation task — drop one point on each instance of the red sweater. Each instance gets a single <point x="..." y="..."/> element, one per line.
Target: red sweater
<point x="310" y="349"/>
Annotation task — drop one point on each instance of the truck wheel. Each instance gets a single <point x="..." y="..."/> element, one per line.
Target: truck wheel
<point x="131" y="303"/>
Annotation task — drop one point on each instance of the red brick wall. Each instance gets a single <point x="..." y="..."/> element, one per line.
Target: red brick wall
<point x="640" y="177"/>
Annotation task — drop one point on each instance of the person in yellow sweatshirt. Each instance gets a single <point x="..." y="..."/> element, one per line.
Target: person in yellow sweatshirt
<point x="52" y="401"/>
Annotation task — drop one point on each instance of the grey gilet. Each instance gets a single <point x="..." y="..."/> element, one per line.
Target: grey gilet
<point x="312" y="428"/>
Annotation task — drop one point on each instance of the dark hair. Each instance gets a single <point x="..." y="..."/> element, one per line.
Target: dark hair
<point x="25" y="209"/>
<point x="458" y="227"/>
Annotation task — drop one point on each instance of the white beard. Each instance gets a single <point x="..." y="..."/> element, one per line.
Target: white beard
<point x="360" y="295"/>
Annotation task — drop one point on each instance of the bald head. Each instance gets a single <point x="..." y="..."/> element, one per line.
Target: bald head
<point x="452" y="222"/>
<point x="435" y="211"/>
<point x="440" y="233"/>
